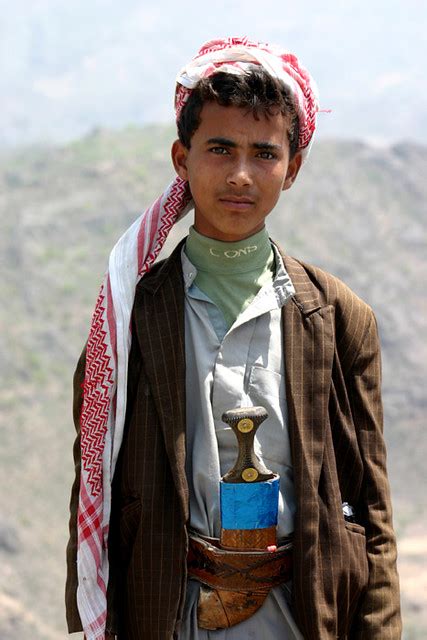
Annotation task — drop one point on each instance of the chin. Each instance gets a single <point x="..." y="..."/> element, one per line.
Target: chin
<point x="235" y="234"/>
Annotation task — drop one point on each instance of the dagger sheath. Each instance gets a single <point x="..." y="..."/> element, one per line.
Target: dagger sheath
<point x="231" y="590"/>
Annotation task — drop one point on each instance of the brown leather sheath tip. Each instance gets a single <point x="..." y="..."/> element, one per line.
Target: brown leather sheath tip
<point x="220" y="609"/>
<point x="210" y="612"/>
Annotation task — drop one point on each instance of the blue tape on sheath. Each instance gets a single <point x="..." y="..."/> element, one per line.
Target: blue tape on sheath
<point x="249" y="506"/>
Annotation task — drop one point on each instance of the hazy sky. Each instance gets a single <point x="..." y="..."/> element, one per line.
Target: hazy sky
<point x="67" y="66"/>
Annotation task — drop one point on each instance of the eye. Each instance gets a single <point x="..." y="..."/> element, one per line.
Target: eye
<point x="266" y="155"/>
<point x="220" y="151"/>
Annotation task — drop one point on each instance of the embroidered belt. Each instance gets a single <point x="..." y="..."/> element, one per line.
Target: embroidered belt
<point x="234" y="584"/>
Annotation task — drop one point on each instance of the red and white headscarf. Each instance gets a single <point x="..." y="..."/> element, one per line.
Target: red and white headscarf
<point x="105" y="384"/>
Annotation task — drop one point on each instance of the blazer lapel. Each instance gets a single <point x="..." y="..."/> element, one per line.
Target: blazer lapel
<point x="160" y="325"/>
<point x="309" y="350"/>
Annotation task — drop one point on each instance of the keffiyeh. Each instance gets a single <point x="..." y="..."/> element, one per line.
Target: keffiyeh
<point x="105" y="384"/>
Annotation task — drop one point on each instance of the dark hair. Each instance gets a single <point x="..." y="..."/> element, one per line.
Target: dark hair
<point x="255" y="90"/>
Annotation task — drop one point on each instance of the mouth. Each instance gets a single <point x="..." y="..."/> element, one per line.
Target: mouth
<point x="237" y="202"/>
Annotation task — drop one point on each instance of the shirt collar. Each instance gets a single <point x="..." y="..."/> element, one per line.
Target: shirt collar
<point x="189" y="271"/>
<point x="282" y="283"/>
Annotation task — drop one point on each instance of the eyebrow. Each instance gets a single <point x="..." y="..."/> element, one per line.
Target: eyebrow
<point x="226" y="142"/>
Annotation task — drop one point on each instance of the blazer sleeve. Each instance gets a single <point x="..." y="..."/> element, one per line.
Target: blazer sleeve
<point x="71" y="610"/>
<point x="378" y="616"/>
<point x="72" y="613"/>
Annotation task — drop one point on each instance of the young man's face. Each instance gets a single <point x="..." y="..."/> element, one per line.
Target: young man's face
<point x="237" y="167"/>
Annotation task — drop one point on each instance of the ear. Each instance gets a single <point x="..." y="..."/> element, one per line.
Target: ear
<point x="293" y="168"/>
<point x="179" y="159"/>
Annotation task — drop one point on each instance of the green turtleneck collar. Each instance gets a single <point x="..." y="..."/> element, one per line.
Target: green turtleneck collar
<point x="218" y="257"/>
<point x="231" y="273"/>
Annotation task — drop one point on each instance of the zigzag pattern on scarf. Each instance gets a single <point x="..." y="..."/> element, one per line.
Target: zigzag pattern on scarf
<point x="177" y="199"/>
<point x="96" y="397"/>
<point x="99" y="372"/>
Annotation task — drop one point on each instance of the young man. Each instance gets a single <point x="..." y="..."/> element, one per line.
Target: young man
<point x="229" y="321"/>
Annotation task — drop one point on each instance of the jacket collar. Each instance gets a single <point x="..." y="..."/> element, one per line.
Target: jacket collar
<point x="161" y="271"/>
<point x="159" y="322"/>
<point x="306" y="297"/>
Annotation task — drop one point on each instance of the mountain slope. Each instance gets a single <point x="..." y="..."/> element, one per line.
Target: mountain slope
<point x="355" y="210"/>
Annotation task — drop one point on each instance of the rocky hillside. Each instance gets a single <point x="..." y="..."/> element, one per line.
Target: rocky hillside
<point x="357" y="211"/>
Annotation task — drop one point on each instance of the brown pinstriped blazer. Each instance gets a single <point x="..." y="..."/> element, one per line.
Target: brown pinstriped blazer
<point x="345" y="583"/>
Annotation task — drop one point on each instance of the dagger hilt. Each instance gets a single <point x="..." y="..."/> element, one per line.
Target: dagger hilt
<point x="248" y="467"/>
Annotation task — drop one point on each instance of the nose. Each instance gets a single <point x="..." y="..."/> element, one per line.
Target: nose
<point x="239" y="174"/>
